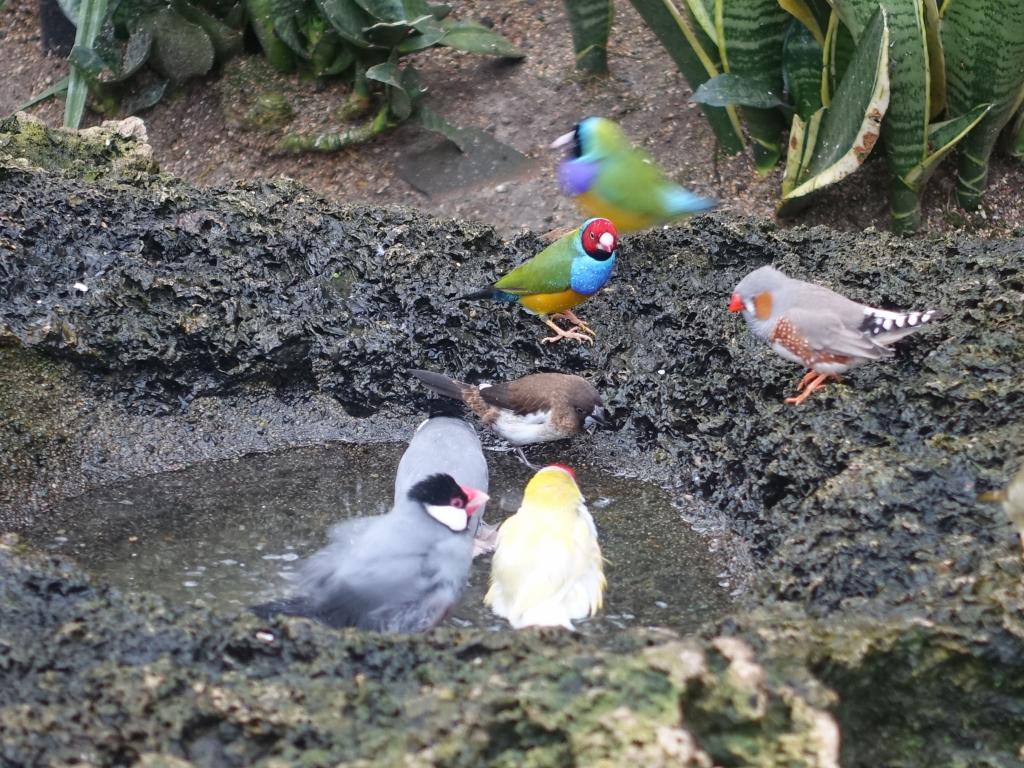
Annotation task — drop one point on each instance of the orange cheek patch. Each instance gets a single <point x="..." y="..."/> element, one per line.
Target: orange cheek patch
<point x="763" y="306"/>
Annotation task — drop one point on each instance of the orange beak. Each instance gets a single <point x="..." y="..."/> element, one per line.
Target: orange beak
<point x="736" y="303"/>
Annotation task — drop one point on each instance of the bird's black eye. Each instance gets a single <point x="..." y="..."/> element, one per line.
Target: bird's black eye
<point x="456" y="502"/>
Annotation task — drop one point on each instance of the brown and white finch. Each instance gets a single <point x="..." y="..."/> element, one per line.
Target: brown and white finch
<point x="817" y="327"/>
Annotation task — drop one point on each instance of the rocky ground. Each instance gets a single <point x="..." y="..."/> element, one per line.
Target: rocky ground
<point x="885" y="601"/>
<point x="204" y="132"/>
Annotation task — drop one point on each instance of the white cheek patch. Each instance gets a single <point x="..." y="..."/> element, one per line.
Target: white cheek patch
<point x="451" y="517"/>
<point x="749" y="304"/>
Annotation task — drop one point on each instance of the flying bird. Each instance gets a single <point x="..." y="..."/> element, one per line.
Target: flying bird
<point x="533" y="409"/>
<point x="561" y="276"/>
<point x="608" y="177"/>
<point x="547" y="568"/>
<point x="405" y="570"/>
<point x="817" y="327"/>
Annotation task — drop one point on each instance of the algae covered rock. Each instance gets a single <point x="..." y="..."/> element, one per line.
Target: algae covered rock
<point x="152" y="324"/>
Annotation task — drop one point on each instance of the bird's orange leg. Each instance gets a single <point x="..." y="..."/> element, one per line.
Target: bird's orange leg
<point x="805" y="380"/>
<point x="571" y="317"/>
<point x="563" y="334"/>
<point x="806" y="389"/>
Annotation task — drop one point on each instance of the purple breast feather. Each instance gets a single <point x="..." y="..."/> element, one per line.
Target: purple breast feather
<point x="577" y="176"/>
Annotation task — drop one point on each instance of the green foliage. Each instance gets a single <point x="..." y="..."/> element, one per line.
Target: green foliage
<point x="591" y="22"/>
<point x="846" y="72"/>
<point x="128" y="54"/>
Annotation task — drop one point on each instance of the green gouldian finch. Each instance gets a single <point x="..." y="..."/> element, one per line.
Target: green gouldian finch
<point x="561" y="276"/>
<point x="609" y="177"/>
<point x="547" y="568"/>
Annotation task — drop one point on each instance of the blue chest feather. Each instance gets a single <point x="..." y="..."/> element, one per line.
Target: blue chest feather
<point x="589" y="275"/>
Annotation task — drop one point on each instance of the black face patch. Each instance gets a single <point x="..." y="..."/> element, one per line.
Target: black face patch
<point x="577" y="145"/>
<point x="438" y="491"/>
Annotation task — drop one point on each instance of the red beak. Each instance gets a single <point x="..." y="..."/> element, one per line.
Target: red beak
<point x="736" y="303"/>
<point x="476" y="499"/>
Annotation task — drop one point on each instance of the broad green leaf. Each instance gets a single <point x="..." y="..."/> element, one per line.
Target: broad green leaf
<point x="91" y="14"/>
<point x="348" y="18"/>
<point x="942" y="137"/>
<point x="181" y="49"/>
<point x="88" y="61"/>
<point x="388" y="34"/>
<point x="725" y="90"/>
<point x="984" y="45"/>
<point x="696" y="55"/>
<point x="343" y="59"/>
<point x="143" y="98"/>
<point x="849" y="127"/>
<point x="226" y="41"/>
<point x="476" y="38"/>
<point x="750" y="36"/>
<point x="813" y="14"/>
<point x="261" y="19"/>
<point x="136" y="52"/>
<point x="801" y="69"/>
<point x="285" y="19"/>
<point x="388" y="73"/>
<point x="590" y="22"/>
<point x="427" y="36"/>
<point x="385" y="10"/>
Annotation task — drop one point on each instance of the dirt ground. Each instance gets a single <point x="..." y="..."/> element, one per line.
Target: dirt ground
<point x="196" y="134"/>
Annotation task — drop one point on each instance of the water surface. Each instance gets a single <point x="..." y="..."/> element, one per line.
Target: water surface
<point x="230" y="533"/>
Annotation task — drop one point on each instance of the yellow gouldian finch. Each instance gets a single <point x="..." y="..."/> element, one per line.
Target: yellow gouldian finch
<point x="547" y="569"/>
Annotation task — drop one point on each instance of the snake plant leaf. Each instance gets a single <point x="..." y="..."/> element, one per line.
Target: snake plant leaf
<point x="813" y="14"/>
<point x="427" y="35"/>
<point x="849" y="127"/>
<point x="476" y="38"/>
<point x="936" y="59"/>
<point x="801" y="69"/>
<point x="984" y="45"/>
<point x="750" y="35"/>
<point x="344" y="57"/>
<point x="181" y="49"/>
<point x="793" y="154"/>
<point x="727" y="90"/>
<point x="942" y="137"/>
<point x="143" y="98"/>
<point x="696" y="56"/>
<point x="57" y="89"/>
<point x="290" y="19"/>
<point x="348" y="19"/>
<point x="432" y="121"/>
<point x="90" y="17"/>
<point x="1015" y="136"/>
<point x="838" y="50"/>
<point x="591" y="23"/>
<point x="388" y="34"/>
<point x="703" y="12"/>
<point x="905" y="130"/>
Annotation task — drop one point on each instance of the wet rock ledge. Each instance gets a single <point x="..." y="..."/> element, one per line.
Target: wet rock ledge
<point x="146" y="324"/>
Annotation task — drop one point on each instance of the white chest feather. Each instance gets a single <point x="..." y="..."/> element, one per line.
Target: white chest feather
<point x="534" y="427"/>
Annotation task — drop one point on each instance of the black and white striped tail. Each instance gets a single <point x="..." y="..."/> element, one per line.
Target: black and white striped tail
<point x="881" y="322"/>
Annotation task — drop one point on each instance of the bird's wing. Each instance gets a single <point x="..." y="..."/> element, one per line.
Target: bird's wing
<point x="511" y="397"/>
<point x="826" y="332"/>
<point x="550" y="271"/>
<point x="442" y="445"/>
<point x="630" y="180"/>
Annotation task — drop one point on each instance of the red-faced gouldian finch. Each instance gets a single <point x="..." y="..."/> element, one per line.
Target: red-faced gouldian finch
<point x="610" y="178"/>
<point x="561" y="276"/>
<point x="547" y="569"/>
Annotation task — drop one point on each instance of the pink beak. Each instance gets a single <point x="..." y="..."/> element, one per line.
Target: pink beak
<point x="736" y="303"/>
<point x="476" y="499"/>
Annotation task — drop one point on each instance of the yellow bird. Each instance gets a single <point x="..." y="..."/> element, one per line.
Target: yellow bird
<point x="547" y="568"/>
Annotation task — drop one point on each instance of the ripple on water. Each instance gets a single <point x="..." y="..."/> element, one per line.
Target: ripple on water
<point x="231" y="533"/>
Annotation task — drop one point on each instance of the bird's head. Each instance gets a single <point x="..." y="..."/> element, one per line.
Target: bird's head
<point x="593" y="137"/>
<point x="553" y="487"/>
<point x="446" y="501"/>
<point x="599" y="238"/>
<point x="585" y="403"/>
<point x="755" y="295"/>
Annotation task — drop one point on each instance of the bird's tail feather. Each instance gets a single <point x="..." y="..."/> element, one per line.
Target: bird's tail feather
<point x="489" y="293"/>
<point x="681" y="201"/>
<point x="886" y="326"/>
<point x="289" y="606"/>
<point x="439" y="383"/>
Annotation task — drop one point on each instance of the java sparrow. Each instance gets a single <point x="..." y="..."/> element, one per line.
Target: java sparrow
<point x="405" y="570"/>
<point x="817" y="327"/>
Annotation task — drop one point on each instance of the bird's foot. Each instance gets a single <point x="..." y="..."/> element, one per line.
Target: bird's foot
<point x="809" y="384"/>
<point x="571" y="317"/>
<point x="486" y="539"/>
<point x="561" y="333"/>
<point x="522" y="457"/>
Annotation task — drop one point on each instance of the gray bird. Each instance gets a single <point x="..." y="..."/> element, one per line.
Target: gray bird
<point x="817" y="327"/>
<point x="403" y="571"/>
